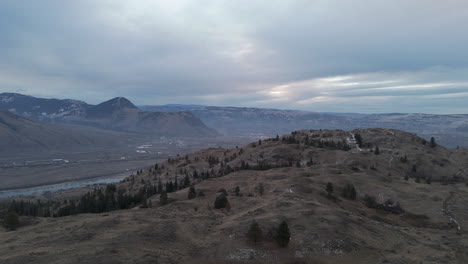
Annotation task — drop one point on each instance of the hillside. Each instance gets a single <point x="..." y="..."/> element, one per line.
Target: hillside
<point x="417" y="213"/>
<point x="449" y="130"/>
<point x="19" y="136"/>
<point x="115" y="114"/>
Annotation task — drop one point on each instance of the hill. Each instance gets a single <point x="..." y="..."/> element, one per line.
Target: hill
<point x="408" y="207"/>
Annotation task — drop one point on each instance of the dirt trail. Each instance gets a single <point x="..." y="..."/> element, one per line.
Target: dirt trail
<point x="447" y="212"/>
<point x="353" y="141"/>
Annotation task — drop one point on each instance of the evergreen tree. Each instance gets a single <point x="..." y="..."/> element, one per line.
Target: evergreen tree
<point x="187" y="181"/>
<point x="433" y="143"/>
<point x="221" y="201"/>
<point x="329" y="188"/>
<point x="144" y="204"/>
<point x="349" y="192"/>
<point x="283" y="235"/>
<point x="260" y="190"/>
<point x="377" y="150"/>
<point x="237" y="191"/>
<point x="192" y="192"/>
<point x="160" y="186"/>
<point x="11" y="221"/>
<point x="163" y="198"/>
<point x="428" y="180"/>
<point x="358" y="140"/>
<point x="255" y="233"/>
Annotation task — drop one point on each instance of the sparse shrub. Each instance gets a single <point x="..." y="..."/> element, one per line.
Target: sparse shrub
<point x="406" y="177"/>
<point x="283" y="235"/>
<point x="418" y="180"/>
<point x="221" y="201"/>
<point x="200" y="194"/>
<point x="255" y="233"/>
<point x="163" y="198"/>
<point x="349" y="192"/>
<point x="11" y="221"/>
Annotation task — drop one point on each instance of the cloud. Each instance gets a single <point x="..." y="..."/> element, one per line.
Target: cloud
<point x="313" y="55"/>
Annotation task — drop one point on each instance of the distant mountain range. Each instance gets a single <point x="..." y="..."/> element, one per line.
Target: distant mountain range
<point x="116" y="114"/>
<point x="198" y="120"/>
<point x="449" y="130"/>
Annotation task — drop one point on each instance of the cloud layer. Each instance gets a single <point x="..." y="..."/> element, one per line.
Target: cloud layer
<point x="320" y="55"/>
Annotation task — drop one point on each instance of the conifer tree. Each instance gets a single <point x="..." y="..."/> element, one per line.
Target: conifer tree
<point x="255" y="233"/>
<point x="221" y="201"/>
<point x="192" y="193"/>
<point x="163" y="198"/>
<point x="329" y="188"/>
<point x="260" y="190"/>
<point x="237" y="191"/>
<point x="283" y="235"/>
<point x="377" y="150"/>
<point x="11" y="221"/>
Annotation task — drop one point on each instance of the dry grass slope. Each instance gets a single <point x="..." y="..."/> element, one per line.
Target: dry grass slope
<point x="323" y="229"/>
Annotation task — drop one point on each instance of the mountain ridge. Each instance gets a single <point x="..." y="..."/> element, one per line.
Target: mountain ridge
<point x="118" y="114"/>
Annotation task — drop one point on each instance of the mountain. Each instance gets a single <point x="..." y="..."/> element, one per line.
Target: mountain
<point x="20" y="136"/>
<point x="110" y="108"/>
<point x="41" y="108"/>
<point x="408" y="206"/>
<point x="116" y="114"/>
<point x="449" y="130"/>
<point x="120" y="114"/>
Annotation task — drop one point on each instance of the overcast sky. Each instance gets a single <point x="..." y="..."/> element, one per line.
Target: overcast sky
<point x="321" y="55"/>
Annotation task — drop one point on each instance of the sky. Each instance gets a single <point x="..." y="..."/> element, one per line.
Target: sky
<point x="362" y="56"/>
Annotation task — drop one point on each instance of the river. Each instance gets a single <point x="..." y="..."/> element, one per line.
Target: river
<point x="59" y="186"/>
